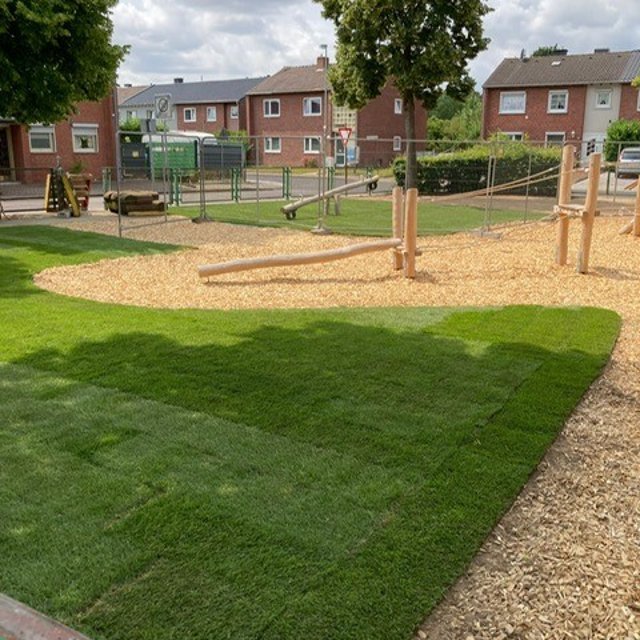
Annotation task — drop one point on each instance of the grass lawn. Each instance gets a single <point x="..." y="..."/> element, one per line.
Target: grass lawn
<point x="358" y="216"/>
<point x="262" y="474"/>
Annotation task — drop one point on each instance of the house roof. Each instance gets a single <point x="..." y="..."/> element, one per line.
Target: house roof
<point x="124" y="93"/>
<point x="564" y="70"/>
<point x="307" y="79"/>
<point x="211" y="91"/>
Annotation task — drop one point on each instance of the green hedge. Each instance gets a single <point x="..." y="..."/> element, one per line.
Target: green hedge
<point x="466" y="170"/>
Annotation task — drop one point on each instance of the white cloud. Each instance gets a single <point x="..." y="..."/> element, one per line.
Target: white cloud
<point x="239" y="38"/>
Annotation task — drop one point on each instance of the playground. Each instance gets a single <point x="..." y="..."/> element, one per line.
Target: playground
<point x="564" y="556"/>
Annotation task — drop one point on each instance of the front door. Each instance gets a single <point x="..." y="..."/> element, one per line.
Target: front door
<point x="5" y="157"/>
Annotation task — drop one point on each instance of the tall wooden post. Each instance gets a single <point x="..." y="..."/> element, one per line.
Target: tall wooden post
<point x="397" y="199"/>
<point x="564" y="198"/>
<point x="410" y="232"/>
<point x="636" y="219"/>
<point x="589" y="213"/>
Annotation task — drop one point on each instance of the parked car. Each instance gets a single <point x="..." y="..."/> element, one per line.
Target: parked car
<point x="629" y="162"/>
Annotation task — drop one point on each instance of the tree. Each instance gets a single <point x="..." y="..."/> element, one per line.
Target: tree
<point x="54" y="54"/>
<point x="421" y="46"/>
<point x="548" y="50"/>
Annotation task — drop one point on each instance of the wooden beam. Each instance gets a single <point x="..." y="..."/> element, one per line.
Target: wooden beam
<point x="330" y="255"/>
<point x="410" y="232"/>
<point x="564" y="201"/>
<point x="589" y="215"/>
<point x="397" y="199"/>
<point x="636" y="217"/>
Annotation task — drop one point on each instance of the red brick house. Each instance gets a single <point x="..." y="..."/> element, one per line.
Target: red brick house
<point x="85" y="140"/>
<point x="208" y="106"/>
<point x="562" y="98"/>
<point x="287" y="112"/>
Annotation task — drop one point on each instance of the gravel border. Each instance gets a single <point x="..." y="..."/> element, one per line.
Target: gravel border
<point x="564" y="562"/>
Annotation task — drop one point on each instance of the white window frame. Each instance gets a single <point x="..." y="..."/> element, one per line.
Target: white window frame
<point x="397" y="106"/>
<point x="308" y="145"/>
<point x="508" y="94"/>
<point x="269" y="146"/>
<point x="307" y="109"/>
<point x="234" y="112"/>
<point x="608" y="105"/>
<point x="514" y="136"/>
<point x="397" y="143"/>
<point x="267" y="107"/>
<point x="212" y="110"/>
<point x="190" y="109"/>
<point x="84" y="131"/>
<point x="558" y="92"/>
<point x="42" y="129"/>
<point x="554" y="133"/>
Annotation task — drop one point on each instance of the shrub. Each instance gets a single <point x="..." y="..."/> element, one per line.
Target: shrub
<point x="621" y="134"/>
<point x="466" y="170"/>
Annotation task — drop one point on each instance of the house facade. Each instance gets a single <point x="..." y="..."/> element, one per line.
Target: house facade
<point x="291" y="111"/>
<point x="85" y="141"/>
<point x="194" y="106"/>
<point x="562" y="98"/>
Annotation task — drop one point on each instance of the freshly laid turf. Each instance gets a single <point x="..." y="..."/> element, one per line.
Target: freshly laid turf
<point x="269" y="474"/>
<point x="358" y="216"/>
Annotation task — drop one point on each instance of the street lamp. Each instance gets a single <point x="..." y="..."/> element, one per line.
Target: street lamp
<point x="322" y="203"/>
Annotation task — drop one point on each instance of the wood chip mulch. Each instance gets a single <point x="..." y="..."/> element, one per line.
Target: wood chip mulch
<point x="564" y="562"/>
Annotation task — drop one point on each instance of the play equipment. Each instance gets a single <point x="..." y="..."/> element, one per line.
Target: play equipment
<point x="290" y="210"/>
<point x="134" y="203"/>
<point x="60" y="194"/>
<point x="565" y="211"/>
<point x="633" y="227"/>
<point x="403" y="246"/>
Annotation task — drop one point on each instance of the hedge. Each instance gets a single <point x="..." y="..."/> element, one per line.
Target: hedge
<point x="466" y="170"/>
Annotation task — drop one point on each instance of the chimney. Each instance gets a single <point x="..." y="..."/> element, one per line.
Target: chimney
<point x="605" y="50"/>
<point x="178" y="80"/>
<point x="560" y="52"/>
<point x="321" y="62"/>
<point x="128" y="84"/>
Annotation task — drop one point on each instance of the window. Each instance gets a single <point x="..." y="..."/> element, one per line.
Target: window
<point x="149" y="114"/>
<point x="397" y="105"/>
<point x="516" y="136"/>
<point x="312" y="145"/>
<point x="272" y="145"/>
<point x="212" y="114"/>
<point x="603" y="99"/>
<point x="85" y="138"/>
<point x="42" y="139"/>
<point x="312" y="106"/>
<point x="271" y="108"/>
<point x="233" y="112"/>
<point x="513" y="102"/>
<point x="397" y="143"/>
<point x="558" y="102"/>
<point x="131" y="115"/>
<point x="554" y="138"/>
<point x="189" y="114"/>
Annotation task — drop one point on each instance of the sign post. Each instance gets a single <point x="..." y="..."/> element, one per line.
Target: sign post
<point x="345" y="134"/>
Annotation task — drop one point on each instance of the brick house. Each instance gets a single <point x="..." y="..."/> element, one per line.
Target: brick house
<point x="562" y="98"/>
<point x="287" y="112"/>
<point x="196" y="106"/>
<point x="85" y="140"/>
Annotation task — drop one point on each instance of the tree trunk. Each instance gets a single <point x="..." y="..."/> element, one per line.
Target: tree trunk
<point x="411" y="176"/>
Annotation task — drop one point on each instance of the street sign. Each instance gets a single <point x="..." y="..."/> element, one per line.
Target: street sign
<point x="163" y="106"/>
<point x="345" y="133"/>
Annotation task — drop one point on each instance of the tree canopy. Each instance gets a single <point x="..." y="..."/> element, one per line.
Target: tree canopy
<point x="547" y="50"/>
<point x="54" y="53"/>
<point x="422" y="46"/>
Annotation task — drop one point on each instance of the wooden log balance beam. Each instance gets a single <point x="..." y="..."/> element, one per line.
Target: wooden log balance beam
<point x="330" y="255"/>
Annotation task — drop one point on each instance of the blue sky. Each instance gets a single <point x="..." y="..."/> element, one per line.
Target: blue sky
<point x="208" y="39"/>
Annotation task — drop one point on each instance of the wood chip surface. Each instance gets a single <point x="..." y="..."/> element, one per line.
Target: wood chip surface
<point x="564" y="562"/>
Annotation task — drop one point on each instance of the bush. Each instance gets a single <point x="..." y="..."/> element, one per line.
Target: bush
<point x="466" y="170"/>
<point x="621" y="134"/>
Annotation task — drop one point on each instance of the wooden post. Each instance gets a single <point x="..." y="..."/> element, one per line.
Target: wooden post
<point x="589" y="214"/>
<point x="564" y="198"/>
<point x="636" y="218"/>
<point x="410" y="232"/>
<point x="397" y="199"/>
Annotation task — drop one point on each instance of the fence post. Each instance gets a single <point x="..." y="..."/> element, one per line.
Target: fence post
<point x="106" y="179"/>
<point x="589" y="213"/>
<point x="286" y="183"/>
<point x="331" y="174"/>
<point x="235" y="184"/>
<point x="564" y="198"/>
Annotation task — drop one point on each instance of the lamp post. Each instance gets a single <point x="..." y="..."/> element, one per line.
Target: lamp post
<point x="322" y="203"/>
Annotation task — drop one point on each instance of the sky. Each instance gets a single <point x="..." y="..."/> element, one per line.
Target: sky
<point x="216" y="40"/>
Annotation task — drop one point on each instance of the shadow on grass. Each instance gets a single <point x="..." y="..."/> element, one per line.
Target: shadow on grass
<point x="463" y="423"/>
